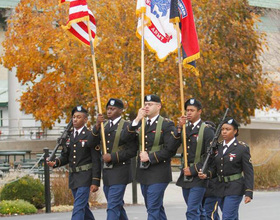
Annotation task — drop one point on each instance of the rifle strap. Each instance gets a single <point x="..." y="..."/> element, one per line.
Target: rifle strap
<point x="156" y="146"/>
<point x="199" y="143"/>
<point x="117" y="136"/>
<point x="105" y="124"/>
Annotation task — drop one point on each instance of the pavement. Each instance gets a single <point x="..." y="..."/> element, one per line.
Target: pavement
<point x="265" y="205"/>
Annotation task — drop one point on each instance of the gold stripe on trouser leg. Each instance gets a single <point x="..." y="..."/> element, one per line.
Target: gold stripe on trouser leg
<point x="215" y="208"/>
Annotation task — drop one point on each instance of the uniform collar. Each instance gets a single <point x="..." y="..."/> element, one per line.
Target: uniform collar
<point x="116" y="120"/>
<point x="79" y="130"/>
<point x="153" y="119"/>
<point x="196" y="123"/>
<point x="229" y="143"/>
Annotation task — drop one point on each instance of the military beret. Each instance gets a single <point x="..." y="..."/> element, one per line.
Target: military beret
<point x="193" y="102"/>
<point x="152" y="98"/>
<point x="231" y="121"/>
<point x="79" y="108"/>
<point x="115" y="102"/>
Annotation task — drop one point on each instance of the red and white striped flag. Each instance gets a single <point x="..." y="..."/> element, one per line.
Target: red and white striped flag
<point x="79" y="15"/>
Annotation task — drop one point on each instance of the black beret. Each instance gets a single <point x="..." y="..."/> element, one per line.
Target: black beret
<point x="152" y="98"/>
<point x="79" y="108"/>
<point x="231" y="121"/>
<point x="115" y="102"/>
<point x="193" y="102"/>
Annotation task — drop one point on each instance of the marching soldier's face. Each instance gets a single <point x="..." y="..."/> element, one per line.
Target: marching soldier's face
<point x="152" y="109"/>
<point x="79" y="119"/>
<point x="193" y="114"/>
<point x="228" y="132"/>
<point x="113" y="112"/>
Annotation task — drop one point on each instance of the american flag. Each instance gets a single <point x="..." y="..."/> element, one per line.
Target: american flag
<point x="79" y="15"/>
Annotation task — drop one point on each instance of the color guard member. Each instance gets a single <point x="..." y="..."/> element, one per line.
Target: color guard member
<point x="199" y="135"/>
<point x="83" y="158"/>
<point x="117" y="173"/>
<point x="233" y="167"/>
<point x="153" y="166"/>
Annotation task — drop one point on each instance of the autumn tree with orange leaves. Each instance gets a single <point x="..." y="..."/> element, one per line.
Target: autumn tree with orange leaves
<point x="58" y="73"/>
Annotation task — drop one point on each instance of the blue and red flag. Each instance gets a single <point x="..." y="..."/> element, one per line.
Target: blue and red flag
<point x="181" y="11"/>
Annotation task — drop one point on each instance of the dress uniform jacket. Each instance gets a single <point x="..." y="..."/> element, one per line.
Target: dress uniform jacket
<point x="211" y="183"/>
<point x="236" y="160"/>
<point x="211" y="187"/>
<point x="81" y="151"/>
<point x="121" y="172"/>
<point x="159" y="170"/>
<point x="192" y="136"/>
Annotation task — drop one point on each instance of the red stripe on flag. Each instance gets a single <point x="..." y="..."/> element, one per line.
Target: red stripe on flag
<point x="78" y="15"/>
<point x="77" y="34"/>
<point x="78" y="3"/>
<point x="92" y="19"/>
<point x="85" y="28"/>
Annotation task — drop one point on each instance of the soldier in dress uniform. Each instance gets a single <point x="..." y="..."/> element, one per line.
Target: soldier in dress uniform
<point x="155" y="172"/>
<point x="83" y="158"/>
<point x="233" y="167"/>
<point x="117" y="173"/>
<point x="199" y="135"/>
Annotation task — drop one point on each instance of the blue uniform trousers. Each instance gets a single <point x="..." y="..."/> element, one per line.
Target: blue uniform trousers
<point x="81" y="209"/>
<point x="193" y="198"/>
<point x="209" y="209"/>
<point x="153" y="195"/>
<point x="114" y="195"/>
<point x="230" y="206"/>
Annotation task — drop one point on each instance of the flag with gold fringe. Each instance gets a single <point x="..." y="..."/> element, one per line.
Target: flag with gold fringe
<point x="159" y="34"/>
<point x="79" y="15"/>
<point x="181" y="11"/>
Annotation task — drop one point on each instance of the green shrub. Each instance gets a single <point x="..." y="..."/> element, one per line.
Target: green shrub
<point x="16" y="207"/>
<point x="26" y="188"/>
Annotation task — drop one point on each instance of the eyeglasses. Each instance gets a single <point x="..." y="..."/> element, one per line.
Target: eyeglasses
<point x="150" y="104"/>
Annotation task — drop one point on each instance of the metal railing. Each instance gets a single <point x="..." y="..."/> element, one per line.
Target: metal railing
<point x="28" y="128"/>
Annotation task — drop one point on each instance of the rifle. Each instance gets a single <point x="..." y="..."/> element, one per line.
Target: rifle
<point x="214" y="142"/>
<point x="62" y="140"/>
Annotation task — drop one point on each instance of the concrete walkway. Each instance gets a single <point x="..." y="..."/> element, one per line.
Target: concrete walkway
<point x="265" y="205"/>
